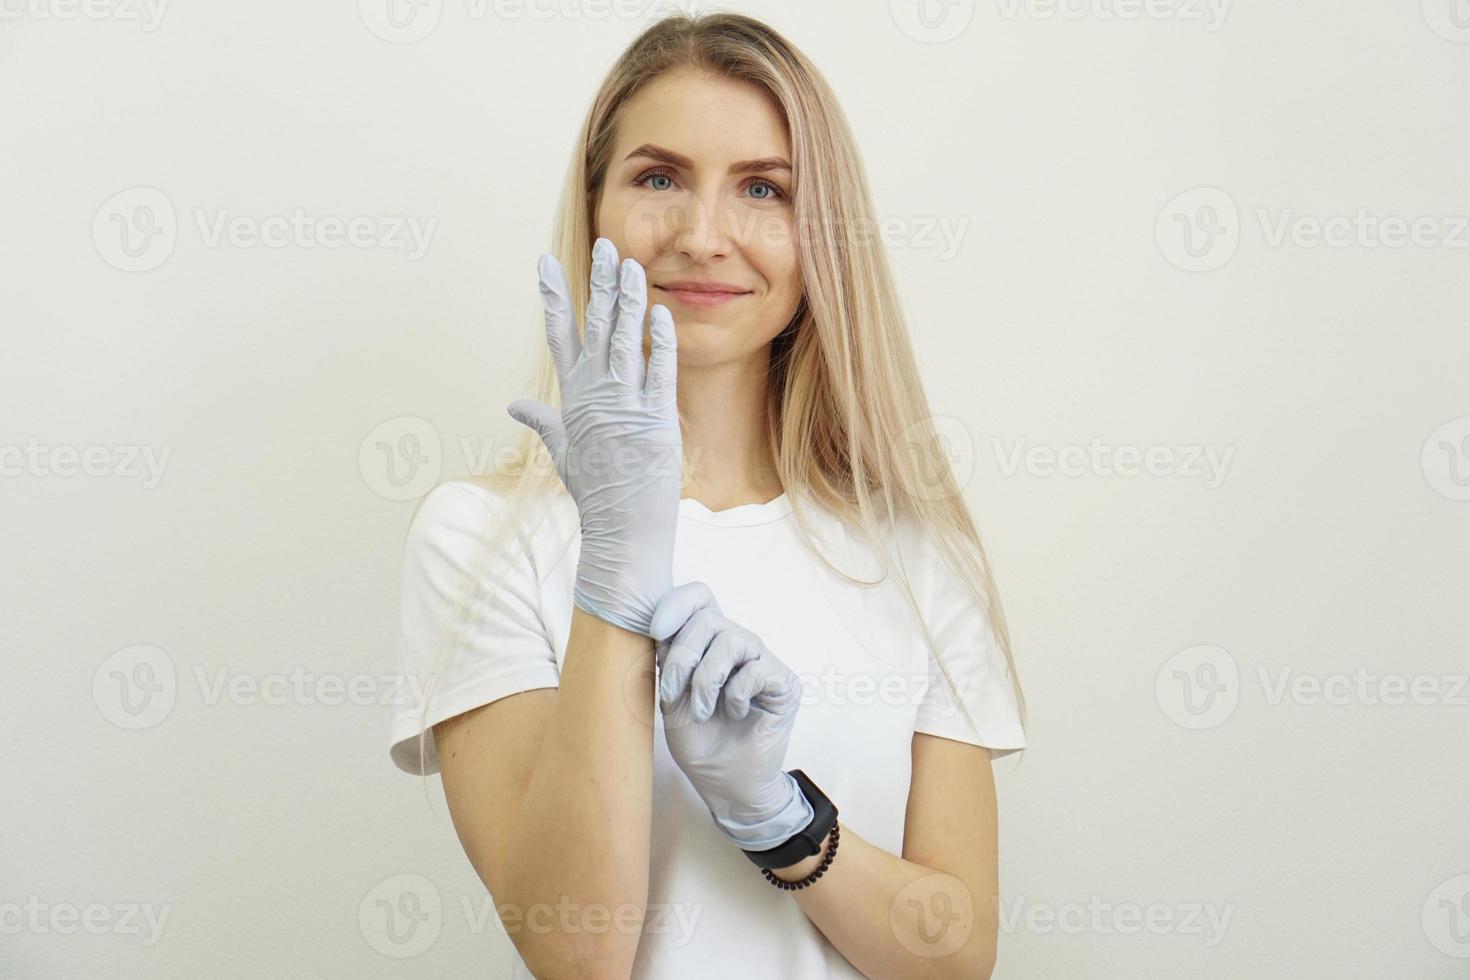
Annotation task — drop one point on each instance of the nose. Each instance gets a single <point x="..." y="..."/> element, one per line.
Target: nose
<point x="701" y="230"/>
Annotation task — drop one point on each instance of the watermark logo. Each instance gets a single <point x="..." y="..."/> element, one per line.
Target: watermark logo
<point x="932" y="21"/>
<point x="400" y="21"/>
<point x="1446" y="917"/>
<point x="938" y="446"/>
<point x="401" y="459"/>
<point x="401" y="916"/>
<point x="1199" y="229"/>
<point x="933" y="916"/>
<point x="1446" y="459"/>
<point x="135" y="230"/>
<point x="136" y="687"/>
<point x="1450" y="19"/>
<point x="1198" y="687"/>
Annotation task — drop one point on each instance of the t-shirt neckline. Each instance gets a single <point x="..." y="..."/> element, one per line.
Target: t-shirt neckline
<point x="742" y="515"/>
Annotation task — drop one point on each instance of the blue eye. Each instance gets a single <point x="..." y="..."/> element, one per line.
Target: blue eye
<point x="643" y="178"/>
<point x="775" y="193"/>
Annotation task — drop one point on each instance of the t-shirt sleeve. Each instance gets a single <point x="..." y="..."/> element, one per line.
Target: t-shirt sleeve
<point x="965" y="637"/>
<point x="474" y="614"/>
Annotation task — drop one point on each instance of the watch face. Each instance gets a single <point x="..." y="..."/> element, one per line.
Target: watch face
<point x="807" y="841"/>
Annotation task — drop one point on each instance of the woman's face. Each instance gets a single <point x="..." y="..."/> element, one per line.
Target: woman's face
<point x="683" y="198"/>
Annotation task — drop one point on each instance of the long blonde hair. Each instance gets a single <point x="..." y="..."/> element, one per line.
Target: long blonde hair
<point x="848" y="421"/>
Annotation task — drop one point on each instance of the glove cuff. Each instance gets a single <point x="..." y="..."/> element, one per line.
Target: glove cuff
<point x="788" y="820"/>
<point x="642" y="624"/>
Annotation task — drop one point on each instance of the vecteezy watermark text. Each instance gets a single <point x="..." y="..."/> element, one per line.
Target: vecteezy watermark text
<point x="1200" y="230"/>
<point x="402" y="916"/>
<point x="408" y="233"/>
<point x="40" y="918"/>
<point x="1200" y="687"/>
<point x="148" y="13"/>
<point x="124" y="461"/>
<point x="137" y="687"/>
<point x="1210" y="13"/>
<point x="1205" y="463"/>
<point x="1208" y="920"/>
<point x="136" y="230"/>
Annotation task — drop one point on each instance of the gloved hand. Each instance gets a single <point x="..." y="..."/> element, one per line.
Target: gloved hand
<point x="616" y="442"/>
<point x="728" y="706"/>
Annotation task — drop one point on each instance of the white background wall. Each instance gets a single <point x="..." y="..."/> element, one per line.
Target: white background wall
<point x="1330" y="381"/>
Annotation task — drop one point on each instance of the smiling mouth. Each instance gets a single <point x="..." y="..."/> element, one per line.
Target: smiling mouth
<point x="698" y="297"/>
<point x="706" y="292"/>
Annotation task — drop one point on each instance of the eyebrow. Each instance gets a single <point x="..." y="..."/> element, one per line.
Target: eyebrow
<point x="664" y="155"/>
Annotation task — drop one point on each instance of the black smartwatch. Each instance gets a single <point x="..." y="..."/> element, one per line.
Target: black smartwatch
<point x="807" y="841"/>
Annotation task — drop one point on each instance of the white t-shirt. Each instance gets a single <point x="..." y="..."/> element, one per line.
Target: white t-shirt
<point x="869" y="683"/>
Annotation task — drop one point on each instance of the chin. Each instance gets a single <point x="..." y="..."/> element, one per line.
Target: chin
<point x="705" y="341"/>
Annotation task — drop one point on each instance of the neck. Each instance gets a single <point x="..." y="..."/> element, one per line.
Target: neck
<point x="723" y="410"/>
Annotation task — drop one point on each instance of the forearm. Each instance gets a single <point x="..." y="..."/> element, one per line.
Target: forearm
<point x="895" y="918"/>
<point x="581" y="835"/>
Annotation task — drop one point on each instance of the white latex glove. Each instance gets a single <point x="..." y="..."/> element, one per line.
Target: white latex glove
<point x="728" y="705"/>
<point x="616" y="442"/>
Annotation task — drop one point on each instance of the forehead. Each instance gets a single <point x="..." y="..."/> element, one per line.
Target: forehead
<point x="708" y="118"/>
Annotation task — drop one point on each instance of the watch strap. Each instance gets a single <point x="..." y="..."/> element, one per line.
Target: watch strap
<point x="807" y="841"/>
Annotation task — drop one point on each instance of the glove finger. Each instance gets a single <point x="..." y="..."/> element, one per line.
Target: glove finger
<point x="601" y="303"/>
<point x="770" y="724"/>
<point x="744" y="681"/>
<point x="765" y="683"/>
<point x="625" y="357"/>
<point x="547" y="423"/>
<point x="677" y="605"/>
<point x="663" y="358"/>
<point x="687" y="650"/>
<point x="561" y="328"/>
<point x="727" y="651"/>
<point x="781" y="692"/>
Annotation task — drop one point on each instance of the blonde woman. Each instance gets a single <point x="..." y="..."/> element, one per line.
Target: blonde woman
<point x="714" y="675"/>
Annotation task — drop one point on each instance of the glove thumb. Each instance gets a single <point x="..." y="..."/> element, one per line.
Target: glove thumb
<point x="547" y="423"/>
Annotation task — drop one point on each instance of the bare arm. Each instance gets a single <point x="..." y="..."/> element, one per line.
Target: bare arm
<point x="930" y="913"/>
<point x="550" y="791"/>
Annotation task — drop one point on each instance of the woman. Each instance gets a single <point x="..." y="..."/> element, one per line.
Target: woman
<point x="714" y="675"/>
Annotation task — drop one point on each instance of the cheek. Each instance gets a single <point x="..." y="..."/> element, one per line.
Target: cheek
<point x="773" y="251"/>
<point x="783" y="274"/>
<point x="632" y="221"/>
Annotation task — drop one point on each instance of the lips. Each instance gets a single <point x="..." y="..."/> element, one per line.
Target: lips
<point x="697" y="287"/>
<point x="701" y="294"/>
